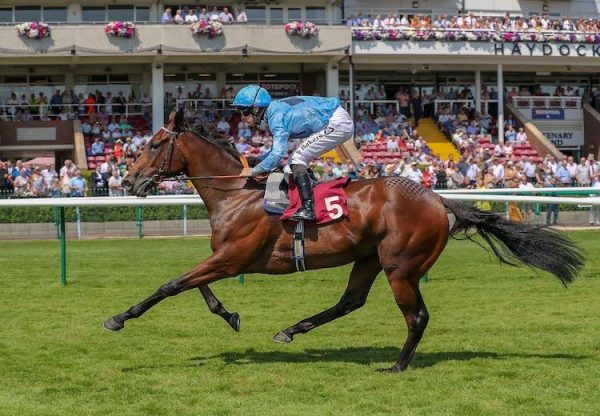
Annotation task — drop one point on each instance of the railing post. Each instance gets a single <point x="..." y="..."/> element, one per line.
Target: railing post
<point x="185" y="218"/>
<point x="78" y="215"/>
<point x="57" y="222"/>
<point x="63" y="247"/>
<point x="241" y="279"/>
<point x="139" y="220"/>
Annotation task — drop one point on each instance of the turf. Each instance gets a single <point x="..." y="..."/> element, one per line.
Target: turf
<point x="501" y="341"/>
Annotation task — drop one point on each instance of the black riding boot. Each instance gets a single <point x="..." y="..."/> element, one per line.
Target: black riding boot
<point x="306" y="212"/>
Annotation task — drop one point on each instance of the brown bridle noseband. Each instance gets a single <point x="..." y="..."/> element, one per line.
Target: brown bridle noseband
<point x="166" y="162"/>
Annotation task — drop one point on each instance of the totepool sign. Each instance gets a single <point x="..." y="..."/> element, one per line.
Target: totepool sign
<point x="548" y="114"/>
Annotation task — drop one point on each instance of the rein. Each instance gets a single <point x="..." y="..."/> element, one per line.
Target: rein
<point x="160" y="177"/>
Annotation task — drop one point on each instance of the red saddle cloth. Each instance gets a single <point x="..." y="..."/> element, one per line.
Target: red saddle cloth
<point x="330" y="201"/>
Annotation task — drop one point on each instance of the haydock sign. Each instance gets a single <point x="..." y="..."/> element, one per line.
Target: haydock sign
<point x="546" y="49"/>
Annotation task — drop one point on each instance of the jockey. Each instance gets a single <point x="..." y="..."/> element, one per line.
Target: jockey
<point x="321" y="122"/>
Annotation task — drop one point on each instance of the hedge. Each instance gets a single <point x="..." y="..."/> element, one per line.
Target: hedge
<point x="26" y="215"/>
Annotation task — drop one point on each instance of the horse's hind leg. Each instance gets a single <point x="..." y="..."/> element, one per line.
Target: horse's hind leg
<point x="216" y="307"/>
<point x="409" y="300"/>
<point x="361" y="279"/>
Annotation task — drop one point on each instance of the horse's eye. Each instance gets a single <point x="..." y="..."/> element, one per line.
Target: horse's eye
<point x="154" y="145"/>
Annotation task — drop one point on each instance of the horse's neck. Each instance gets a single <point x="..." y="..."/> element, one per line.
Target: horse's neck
<point x="208" y="160"/>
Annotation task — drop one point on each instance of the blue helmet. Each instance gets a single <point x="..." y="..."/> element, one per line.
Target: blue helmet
<point x="252" y="96"/>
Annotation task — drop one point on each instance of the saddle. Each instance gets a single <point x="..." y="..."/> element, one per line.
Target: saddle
<point x="277" y="186"/>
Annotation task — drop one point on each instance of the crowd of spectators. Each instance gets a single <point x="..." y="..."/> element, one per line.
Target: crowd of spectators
<point x="67" y="105"/>
<point x="189" y="14"/>
<point x="473" y="21"/>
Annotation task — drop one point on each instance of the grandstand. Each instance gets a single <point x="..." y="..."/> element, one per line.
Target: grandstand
<point x="423" y="81"/>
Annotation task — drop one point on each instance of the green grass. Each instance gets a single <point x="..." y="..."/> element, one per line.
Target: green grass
<point x="501" y="341"/>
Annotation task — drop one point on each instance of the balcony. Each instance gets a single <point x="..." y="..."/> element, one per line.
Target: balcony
<point x="84" y="40"/>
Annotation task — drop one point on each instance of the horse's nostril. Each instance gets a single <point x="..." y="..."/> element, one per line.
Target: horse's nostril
<point x="126" y="183"/>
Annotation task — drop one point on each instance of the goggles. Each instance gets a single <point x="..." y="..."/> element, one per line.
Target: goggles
<point x="246" y="111"/>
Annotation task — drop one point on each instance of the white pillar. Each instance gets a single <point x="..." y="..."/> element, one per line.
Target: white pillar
<point x="156" y="11"/>
<point x="69" y="80"/>
<point x="500" y="104"/>
<point x="333" y="80"/>
<point x="478" y="91"/>
<point x="158" y="96"/>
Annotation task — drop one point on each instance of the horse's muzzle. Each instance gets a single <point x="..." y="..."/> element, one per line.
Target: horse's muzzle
<point x="127" y="184"/>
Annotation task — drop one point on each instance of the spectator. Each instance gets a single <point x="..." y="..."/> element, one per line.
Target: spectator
<point x="225" y="16"/>
<point x="521" y="136"/>
<point x="78" y="185"/>
<point x="214" y="14"/>
<point x="203" y="16"/>
<point x="191" y="17"/>
<point x="414" y="173"/>
<point x="167" y="17"/>
<point x="223" y="126"/>
<point x="595" y="209"/>
<point x="563" y="175"/>
<point x="99" y="182"/>
<point x="97" y="147"/>
<point x="241" y="17"/>
<point x="552" y="209"/>
<point x="582" y="174"/>
<point x="114" y="184"/>
<point x="56" y="102"/>
<point x="179" y="18"/>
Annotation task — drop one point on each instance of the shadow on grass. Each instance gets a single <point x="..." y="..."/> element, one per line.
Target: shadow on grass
<point x="368" y="356"/>
<point x="356" y="355"/>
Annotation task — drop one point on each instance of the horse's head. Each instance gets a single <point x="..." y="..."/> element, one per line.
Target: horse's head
<point x="161" y="158"/>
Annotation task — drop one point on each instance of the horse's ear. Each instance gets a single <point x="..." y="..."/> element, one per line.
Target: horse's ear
<point x="178" y="124"/>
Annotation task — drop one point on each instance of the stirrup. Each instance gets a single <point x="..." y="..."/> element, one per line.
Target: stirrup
<point x="304" y="214"/>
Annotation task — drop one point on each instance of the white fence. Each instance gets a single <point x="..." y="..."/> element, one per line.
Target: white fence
<point x="546" y="102"/>
<point x="48" y="111"/>
<point x="455" y="105"/>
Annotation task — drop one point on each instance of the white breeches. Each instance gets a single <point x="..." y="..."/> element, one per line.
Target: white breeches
<point x="339" y="129"/>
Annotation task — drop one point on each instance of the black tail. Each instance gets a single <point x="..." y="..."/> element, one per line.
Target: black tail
<point x="517" y="242"/>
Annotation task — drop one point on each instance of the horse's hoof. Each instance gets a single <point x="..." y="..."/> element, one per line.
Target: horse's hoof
<point x="234" y="322"/>
<point x="283" y="338"/>
<point x="113" y="325"/>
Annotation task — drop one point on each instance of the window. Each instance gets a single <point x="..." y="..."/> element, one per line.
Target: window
<point x="28" y="13"/>
<point x="55" y="14"/>
<point x="142" y="14"/>
<point x="179" y="77"/>
<point x="202" y="77"/>
<point x="93" y="14"/>
<point x="256" y="14"/>
<point x="316" y="14"/>
<point x="294" y="14"/>
<point x="120" y="13"/>
<point x="6" y="15"/>
<point x="241" y="78"/>
<point x="276" y="16"/>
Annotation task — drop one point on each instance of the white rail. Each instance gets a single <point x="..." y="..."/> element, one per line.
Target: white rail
<point x="465" y="195"/>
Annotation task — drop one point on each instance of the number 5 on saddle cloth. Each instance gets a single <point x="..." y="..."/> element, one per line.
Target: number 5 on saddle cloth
<point x="282" y="198"/>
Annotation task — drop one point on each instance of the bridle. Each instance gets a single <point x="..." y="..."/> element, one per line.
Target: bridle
<point x="166" y="162"/>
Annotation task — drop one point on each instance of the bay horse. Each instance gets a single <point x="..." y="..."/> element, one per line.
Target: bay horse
<point x="394" y="225"/>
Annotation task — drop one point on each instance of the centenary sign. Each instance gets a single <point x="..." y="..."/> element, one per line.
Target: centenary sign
<point x="572" y="138"/>
<point x="546" y="49"/>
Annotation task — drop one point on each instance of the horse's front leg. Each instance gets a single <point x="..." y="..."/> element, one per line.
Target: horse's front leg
<point x="216" y="307"/>
<point x="217" y="266"/>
